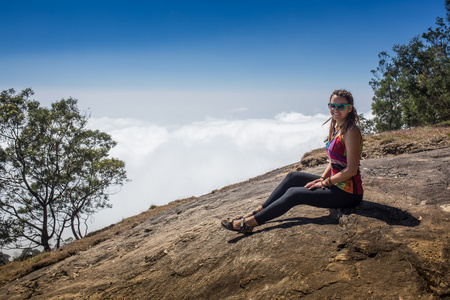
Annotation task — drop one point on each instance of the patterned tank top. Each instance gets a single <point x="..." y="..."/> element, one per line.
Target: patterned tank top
<point x="338" y="158"/>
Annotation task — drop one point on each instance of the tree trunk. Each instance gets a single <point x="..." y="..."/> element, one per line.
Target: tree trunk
<point x="44" y="236"/>
<point x="72" y="226"/>
<point x="45" y="240"/>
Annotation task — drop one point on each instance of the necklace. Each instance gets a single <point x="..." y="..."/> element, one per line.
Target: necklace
<point x="335" y="133"/>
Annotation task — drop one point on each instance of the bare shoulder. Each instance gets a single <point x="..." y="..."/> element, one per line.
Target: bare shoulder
<point x="353" y="135"/>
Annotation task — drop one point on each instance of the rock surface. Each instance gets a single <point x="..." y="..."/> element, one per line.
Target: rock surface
<point x="396" y="244"/>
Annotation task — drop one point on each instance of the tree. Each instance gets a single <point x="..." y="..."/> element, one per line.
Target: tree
<point x="447" y="8"/>
<point x="386" y="101"/>
<point x="4" y="258"/>
<point x="367" y="126"/>
<point x="54" y="171"/>
<point x="27" y="253"/>
<point x="412" y="87"/>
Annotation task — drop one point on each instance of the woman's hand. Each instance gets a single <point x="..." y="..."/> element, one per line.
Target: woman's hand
<point x="315" y="184"/>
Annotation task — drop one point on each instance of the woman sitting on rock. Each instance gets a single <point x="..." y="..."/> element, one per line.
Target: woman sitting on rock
<point x="338" y="187"/>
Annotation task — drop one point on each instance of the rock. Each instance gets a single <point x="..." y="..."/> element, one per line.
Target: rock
<point x="395" y="244"/>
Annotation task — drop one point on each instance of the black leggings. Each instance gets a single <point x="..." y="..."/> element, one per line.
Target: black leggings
<point x="291" y="192"/>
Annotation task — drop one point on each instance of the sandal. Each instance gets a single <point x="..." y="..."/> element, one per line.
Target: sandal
<point x="243" y="228"/>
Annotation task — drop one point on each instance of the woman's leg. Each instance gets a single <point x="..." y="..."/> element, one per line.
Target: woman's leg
<point x="293" y="179"/>
<point x="325" y="198"/>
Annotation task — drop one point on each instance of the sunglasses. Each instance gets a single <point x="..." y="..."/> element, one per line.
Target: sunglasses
<point x="339" y="107"/>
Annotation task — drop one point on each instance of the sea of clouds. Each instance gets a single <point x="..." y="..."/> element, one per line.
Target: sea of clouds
<point x="167" y="163"/>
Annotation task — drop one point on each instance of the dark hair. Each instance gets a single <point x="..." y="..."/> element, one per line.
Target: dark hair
<point x="352" y="118"/>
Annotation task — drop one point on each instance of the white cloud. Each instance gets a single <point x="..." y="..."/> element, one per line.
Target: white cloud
<point x="169" y="163"/>
<point x="136" y="139"/>
<point x="368" y="115"/>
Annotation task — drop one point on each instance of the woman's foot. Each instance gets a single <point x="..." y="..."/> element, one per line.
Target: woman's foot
<point x="237" y="225"/>
<point x="242" y="225"/>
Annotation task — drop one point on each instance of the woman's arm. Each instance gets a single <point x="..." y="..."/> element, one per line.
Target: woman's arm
<point x="327" y="171"/>
<point x="326" y="174"/>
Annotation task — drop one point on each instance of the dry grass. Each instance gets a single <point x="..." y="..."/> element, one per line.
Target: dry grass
<point x="389" y="143"/>
<point x="406" y="141"/>
<point x="376" y="145"/>
<point x="17" y="269"/>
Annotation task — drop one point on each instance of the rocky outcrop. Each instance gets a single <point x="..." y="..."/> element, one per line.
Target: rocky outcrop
<point x="395" y="244"/>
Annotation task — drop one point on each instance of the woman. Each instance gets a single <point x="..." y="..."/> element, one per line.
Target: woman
<point x="340" y="184"/>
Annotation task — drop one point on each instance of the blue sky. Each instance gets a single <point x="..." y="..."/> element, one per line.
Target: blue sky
<point x="179" y="61"/>
<point x="201" y="94"/>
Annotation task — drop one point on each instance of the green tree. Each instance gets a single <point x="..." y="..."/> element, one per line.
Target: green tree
<point x="387" y="95"/>
<point x="6" y="226"/>
<point x="412" y="87"/>
<point x="54" y="171"/>
<point x="27" y="253"/>
<point x="367" y="126"/>
<point x="447" y="8"/>
<point x="4" y="258"/>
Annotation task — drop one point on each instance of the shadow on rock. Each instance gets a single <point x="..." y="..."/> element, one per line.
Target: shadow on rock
<point x="390" y="215"/>
<point x="287" y="223"/>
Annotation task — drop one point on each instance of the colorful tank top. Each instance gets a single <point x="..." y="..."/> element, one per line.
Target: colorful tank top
<point x="338" y="158"/>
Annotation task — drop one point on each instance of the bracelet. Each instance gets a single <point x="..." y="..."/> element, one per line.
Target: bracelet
<point x="329" y="181"/>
